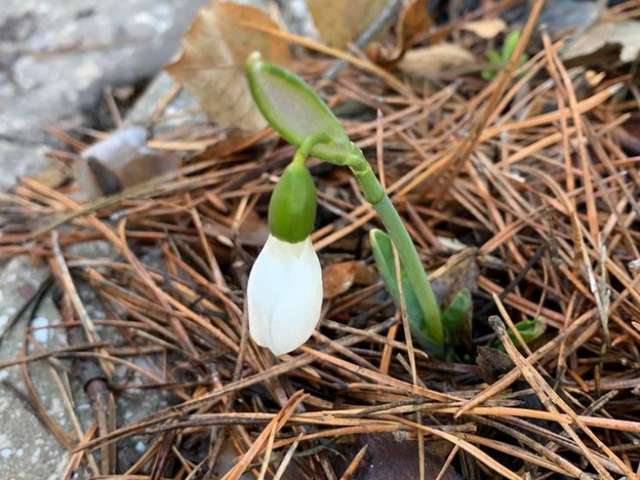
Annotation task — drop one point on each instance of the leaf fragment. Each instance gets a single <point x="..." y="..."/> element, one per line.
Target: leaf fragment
<point x="214" y="51"/>
<point x="337" y="278"/>
<point x="486" y="28"/>
<point x="626" y="34"/>
<point x="412" y="21"/>
<point x="341" y="21"/>
<point x="433" y="60"/>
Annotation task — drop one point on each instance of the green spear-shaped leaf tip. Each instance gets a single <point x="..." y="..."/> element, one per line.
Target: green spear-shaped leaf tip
<point x="530" y="329"/>
<point x="510" y="45"/>
<point x="295" y="111"/>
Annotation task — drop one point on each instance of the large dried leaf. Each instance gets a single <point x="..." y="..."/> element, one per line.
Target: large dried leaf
<point x="341" y="21"/>
<point x="214" y="51"/>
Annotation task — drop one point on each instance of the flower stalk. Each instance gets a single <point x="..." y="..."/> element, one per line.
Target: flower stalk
<point x="296" y="112"/>
<point x="374" y="193"/>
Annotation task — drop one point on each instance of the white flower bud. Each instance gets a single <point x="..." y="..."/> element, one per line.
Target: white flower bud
<point x="284" y="295"/>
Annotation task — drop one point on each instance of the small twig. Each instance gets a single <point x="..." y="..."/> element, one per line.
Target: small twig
<point x="70" y="289"/>
<point x="36" y="298"/>
<point x="287" y="458"/>
<point x="355" y="463"/>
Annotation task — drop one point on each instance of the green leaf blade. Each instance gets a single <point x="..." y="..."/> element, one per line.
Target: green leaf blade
<point x="382" y="248"/>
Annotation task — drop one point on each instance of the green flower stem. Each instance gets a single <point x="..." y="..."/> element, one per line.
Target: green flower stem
<point x="302" y="118"/>
<point x="411" y="263"/>
<point x="305" y="148"/>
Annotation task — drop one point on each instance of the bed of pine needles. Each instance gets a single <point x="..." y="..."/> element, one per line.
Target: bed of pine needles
<point x="533" y="171"/>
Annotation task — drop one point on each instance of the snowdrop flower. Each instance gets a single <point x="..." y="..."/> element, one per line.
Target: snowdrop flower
<point x="284" y="293"/>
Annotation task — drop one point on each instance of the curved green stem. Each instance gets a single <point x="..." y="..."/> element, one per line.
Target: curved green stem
<point x="302" y="118"/>
<point x="309" y="142"/>
<point x="374" y="193"/>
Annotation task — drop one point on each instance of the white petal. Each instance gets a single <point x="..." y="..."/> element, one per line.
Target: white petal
<point x="267" y="274"/>
<point x="298" y="310"/>
<point x="284" y="295"/>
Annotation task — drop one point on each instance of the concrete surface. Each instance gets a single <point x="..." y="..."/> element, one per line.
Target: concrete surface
<point x="27" y="450"/>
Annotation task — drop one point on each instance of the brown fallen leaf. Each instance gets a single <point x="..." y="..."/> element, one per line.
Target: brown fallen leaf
<point x="341" y="21"/>
<point x="486" y="28"/>
<point x="337" y="278"/>
<point x="433" y="60"/>
<point x="214" y="51"/>
<point x="413" y="20"/>
<point x="366" y="275"/>
<point x="599" y="36"/>
<point x="492" y="363"/>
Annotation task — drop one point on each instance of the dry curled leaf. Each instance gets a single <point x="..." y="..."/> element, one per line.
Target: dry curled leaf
<point x="341" y="21"/>
<point x="337" y="278"/>
<point x="486" y="28"/>
<point x="433" y="60"/>
<point x="214" y="51"/>
<point x="119" y="161"/>
<point x="459" y="271"/>
<point x="598" y="37"/>
<point x="413" y="20"/>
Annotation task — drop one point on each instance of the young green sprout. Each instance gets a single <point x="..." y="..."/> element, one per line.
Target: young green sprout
<point x="498" y="61"/>
<point x="283" y="316"/>
<point x="285" y="285"/>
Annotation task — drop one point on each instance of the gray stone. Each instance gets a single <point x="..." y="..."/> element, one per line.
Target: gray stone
<point x="56" y="58"/>
<point x="18" y="159"/>
<point x="27" y="450"/>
